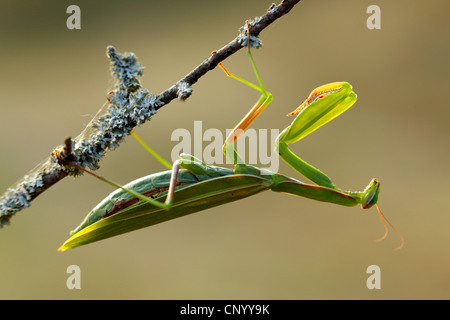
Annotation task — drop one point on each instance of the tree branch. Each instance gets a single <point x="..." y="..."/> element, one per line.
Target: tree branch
<point x="130" y="106"/>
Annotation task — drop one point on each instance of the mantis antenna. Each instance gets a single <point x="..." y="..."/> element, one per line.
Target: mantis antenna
<point x="383" y="219"/>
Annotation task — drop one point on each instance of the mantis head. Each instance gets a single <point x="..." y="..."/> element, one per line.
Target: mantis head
<point x="370" y="194"/>
<point x="369" y="198"/>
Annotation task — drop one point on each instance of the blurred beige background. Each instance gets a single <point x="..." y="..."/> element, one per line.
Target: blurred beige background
<point x="270" y="246"/>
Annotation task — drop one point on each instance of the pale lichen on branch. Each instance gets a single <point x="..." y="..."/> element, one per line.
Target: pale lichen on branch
<point x="130" y="106"/>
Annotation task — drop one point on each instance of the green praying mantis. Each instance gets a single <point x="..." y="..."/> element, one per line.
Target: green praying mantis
<point x="192" y="185"/>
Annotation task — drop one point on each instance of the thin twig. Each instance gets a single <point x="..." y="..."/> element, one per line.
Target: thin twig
<point x="131" y="105"/>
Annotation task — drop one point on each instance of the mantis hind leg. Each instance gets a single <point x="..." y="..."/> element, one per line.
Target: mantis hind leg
<point x="264" y="100"/>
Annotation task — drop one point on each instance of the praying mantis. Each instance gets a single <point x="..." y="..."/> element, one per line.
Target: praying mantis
<point x="192" y="185"/>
